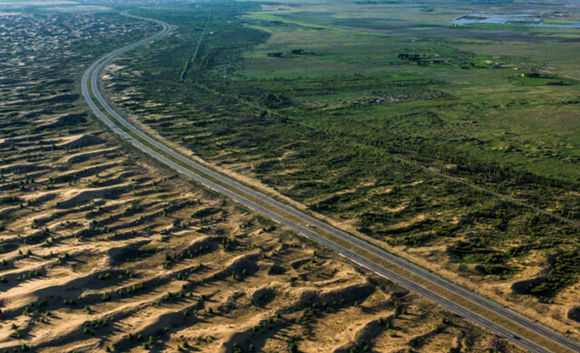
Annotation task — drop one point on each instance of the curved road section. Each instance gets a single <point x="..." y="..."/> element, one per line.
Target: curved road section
<point x="504" y="322"/>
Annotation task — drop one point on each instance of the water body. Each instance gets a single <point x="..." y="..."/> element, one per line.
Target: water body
<point x="532" y="20"/>
<point x="485" y="18"/>
<point x="36" y="2"/>
<point x="568" y="25"/>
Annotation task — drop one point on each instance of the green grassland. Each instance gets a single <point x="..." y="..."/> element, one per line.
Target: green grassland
<point x="474" y="96"/>
<point x="313" y="99"/>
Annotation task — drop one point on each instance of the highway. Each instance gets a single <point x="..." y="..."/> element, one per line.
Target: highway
<point x="307" y="225"/>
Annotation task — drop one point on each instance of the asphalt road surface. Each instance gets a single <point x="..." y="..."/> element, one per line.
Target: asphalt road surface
<point x="300" y="222"/>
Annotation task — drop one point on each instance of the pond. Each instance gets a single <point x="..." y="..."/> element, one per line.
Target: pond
<point x="532" y="20"/>
<point x="559" y="25"/>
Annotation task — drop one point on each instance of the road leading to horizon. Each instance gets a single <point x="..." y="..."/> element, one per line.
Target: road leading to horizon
<point x="504" y="322"/>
